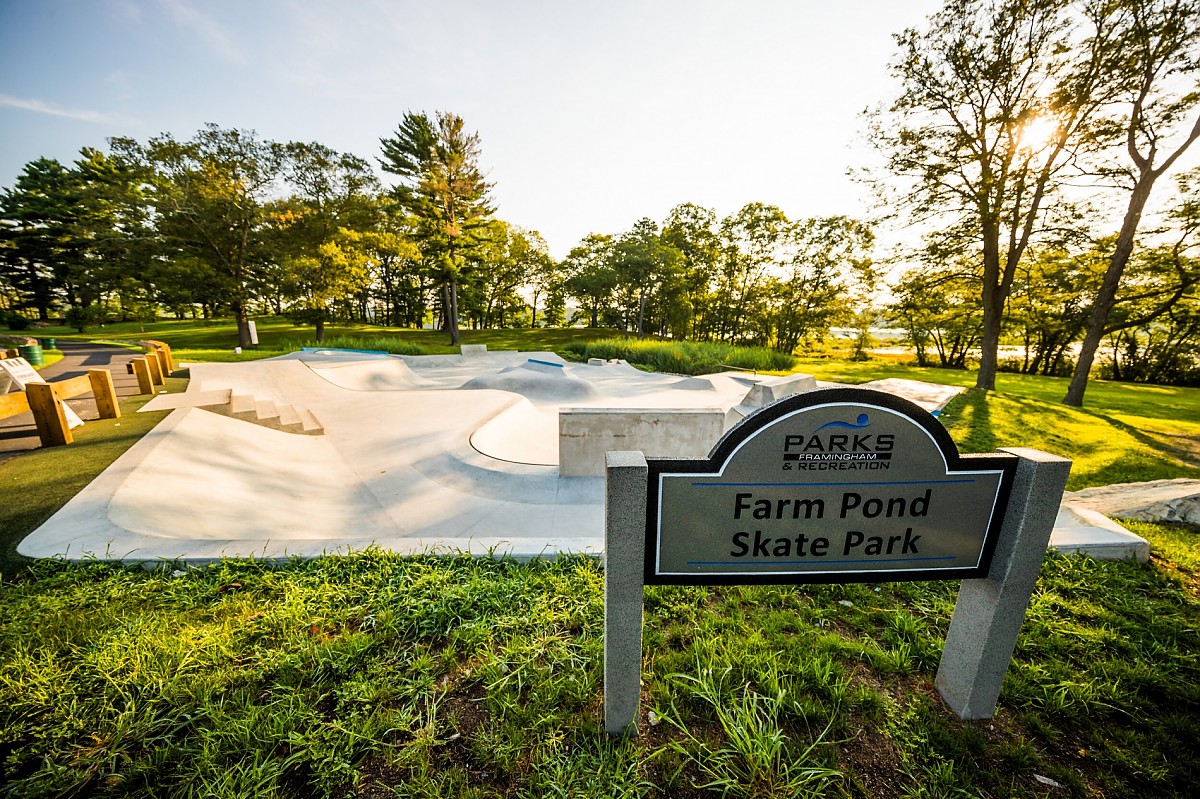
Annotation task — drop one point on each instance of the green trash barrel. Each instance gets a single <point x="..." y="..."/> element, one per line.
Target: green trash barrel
<point x="48" y="343"/>
<point x="32" y="353"/>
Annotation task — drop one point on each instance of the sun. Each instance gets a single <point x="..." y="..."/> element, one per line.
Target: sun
<point x="1038" y="132"/>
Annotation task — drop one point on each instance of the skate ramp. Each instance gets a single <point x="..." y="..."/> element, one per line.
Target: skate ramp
<point x="409" y="461"/>
<point x="391" y="374"/>
<point x="538" y="381"/>
<point x="521" y="433"/>
<point x="240" y="480"/>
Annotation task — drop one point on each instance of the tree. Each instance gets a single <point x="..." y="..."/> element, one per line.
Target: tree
<point x="829" y="258"/>
<point x="394" y="259"/>
<point x="115" y="240"/>
<point x="991" y="96"/>
<point x="590" y="277"/>
<point x="1047" y="311"/>
<point x="754" y="243"/>
<point x="935" y="307"/>
<point x="1155" y="46"/>
<point x="544" y="279"/>
<point x="642" y="264"/>
<point x="37" y="215"/>
<point x="692" y="230"/>
<point x="508" y="260"/>
<point x="321" y="226"/>
<point x="209" y="195"/>
<point x="442" y="186"/>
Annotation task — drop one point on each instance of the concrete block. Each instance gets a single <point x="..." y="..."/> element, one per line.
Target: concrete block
<point x="242" y="406"/>
<point x="586" y="434"/>
<point x="473" y="350"/>
<point x="1083" y="531"/>
<point x="624" y="549"/>
<point x="309" y="424"/>
<point x="544" y="367"/>
<point x="289" y="418"/>
<point x="266" y="413"/>
<point x="217" y="400"/>
<point x="989" y="612"/>
<point x="773" y="389"/>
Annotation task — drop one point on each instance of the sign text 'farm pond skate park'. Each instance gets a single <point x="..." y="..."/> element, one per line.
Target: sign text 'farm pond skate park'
<point x="837" y="485"/>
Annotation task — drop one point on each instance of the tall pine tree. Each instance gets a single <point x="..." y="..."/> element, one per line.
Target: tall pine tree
<point x="443" y="188"/>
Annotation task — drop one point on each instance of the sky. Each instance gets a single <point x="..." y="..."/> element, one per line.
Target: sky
<point x="591" y="114"/>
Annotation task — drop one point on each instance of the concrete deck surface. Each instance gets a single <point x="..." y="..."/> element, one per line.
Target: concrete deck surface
<point x="419" y="454"/>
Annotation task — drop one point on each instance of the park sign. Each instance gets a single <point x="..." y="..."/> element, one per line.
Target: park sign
<point x="833" y="485"/>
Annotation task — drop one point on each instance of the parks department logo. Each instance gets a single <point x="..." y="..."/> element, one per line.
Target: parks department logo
<point x="837" y="446"/>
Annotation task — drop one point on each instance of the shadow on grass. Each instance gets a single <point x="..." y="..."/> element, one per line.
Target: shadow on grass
<point x="969" y="412"/>
<point x="1182" y="456"/>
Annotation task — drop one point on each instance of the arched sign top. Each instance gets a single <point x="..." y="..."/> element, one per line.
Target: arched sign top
<point x="833" y="485"/>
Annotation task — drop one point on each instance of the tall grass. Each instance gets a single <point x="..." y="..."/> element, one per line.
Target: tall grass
<point x="684" y="357"/>
<point x="390" y="344"/>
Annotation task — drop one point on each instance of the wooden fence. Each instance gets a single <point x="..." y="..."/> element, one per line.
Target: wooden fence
<point x="45" y="400"/>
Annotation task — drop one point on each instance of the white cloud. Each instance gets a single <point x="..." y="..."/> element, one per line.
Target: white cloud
<point x="40" y="107"/>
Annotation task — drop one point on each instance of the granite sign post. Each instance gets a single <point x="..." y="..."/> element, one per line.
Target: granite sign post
<point x="833" y="485"/>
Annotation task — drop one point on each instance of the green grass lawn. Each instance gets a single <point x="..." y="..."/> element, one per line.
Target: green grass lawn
<point x="374" y="675"/>
<point x="1125" y="433"/>
<point x="459" y="677"/>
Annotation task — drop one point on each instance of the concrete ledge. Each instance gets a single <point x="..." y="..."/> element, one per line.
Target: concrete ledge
<point x="188" y="399"/>
<point x="1083" y="531"/>
<point x="586" y="434"/>
<point x="1156" y="500"/>
<point x="473" y="349"/>
<point x="773" y="389"/>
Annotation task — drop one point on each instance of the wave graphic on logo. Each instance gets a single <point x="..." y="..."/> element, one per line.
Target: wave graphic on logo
<point x="859" y="424"/>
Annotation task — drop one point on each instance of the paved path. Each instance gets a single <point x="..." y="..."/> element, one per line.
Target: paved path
<point x="18" y="433"/>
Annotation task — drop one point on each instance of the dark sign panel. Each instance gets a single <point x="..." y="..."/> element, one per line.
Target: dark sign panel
<point x="834" y="485"/>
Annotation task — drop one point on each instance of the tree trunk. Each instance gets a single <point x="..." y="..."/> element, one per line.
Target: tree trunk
<point x="243" y="324"/>
<point x="452" y="312"/>
<point x="1106" y="298"/>
<point x="993" y="313"/>
<point x="320" y="330"/>
<point x="641" y="323"/>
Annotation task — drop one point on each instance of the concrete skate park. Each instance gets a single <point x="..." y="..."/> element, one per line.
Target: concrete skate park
<point x="323" y="452"/>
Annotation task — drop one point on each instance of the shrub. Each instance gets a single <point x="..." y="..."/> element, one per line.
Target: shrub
<point x="16" y="321"/>
<point x="78" y="318"/>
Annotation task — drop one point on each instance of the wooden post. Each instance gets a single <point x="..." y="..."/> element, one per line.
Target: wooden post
<point x="48" y="415"/>
<point x="168" y="361"/>
<point x="164" y="360"/>
<point x="141" y="368"/>
<point x="156" y="375"/>
<point x="105" y="394"/>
